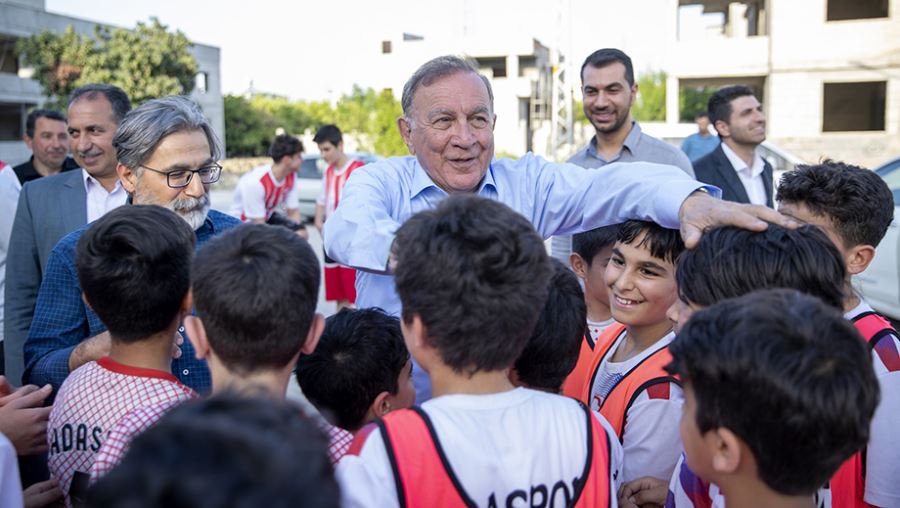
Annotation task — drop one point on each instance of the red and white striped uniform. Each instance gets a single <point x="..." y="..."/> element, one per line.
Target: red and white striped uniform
<point x="340" y="281"/>
<point x="90" y="403"/>
<point x="258" y="194"/>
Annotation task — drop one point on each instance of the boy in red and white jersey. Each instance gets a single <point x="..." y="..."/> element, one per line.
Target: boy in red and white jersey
<point x="271" y="189"/>
<point x="134" y="270"/>
<point x="480" y="441"/>
<point x="340" y="281"/>
<point x="627" y="382"/>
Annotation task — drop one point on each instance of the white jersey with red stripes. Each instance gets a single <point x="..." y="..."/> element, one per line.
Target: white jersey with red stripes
<point x="90" y="403"/>
<point x="259" y="194"/>
<point x="333" y="184"/>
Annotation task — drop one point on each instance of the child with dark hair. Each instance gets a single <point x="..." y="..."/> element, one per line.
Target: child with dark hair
<point x="591" y="251"/>
<point x="134" y="267"/>
<point x="359" y="371"/>
<point x="473" y="276"/>
<point x="765" y="431"/>
<point x="855" y="207"/>
<point x="221" y="452"/>
<point x="626" y="382"/>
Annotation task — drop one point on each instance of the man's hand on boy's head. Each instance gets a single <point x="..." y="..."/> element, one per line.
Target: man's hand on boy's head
<point x="700" y="211"/>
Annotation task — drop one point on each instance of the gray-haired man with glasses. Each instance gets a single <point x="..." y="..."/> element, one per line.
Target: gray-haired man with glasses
<point x="167" y="154"/>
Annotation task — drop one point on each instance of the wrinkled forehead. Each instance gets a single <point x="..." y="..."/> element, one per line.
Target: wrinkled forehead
<point x="462" y="90"/>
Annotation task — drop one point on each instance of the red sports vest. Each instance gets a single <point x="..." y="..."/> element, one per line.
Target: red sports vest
<point x="645" y="375"/>
<point x="848" y="485"/>
<point x="574" y="383"/>
<point x="423" y="477"/>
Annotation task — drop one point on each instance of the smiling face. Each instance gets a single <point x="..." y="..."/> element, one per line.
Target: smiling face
<point x="92" y="126"/>
<point x="50" y="143"/>
<point x="185" y="150"/>
<point x="642" y="287"/>
<point x="607" y="97"/>
<point x="450" y="130"/>
<point x="747" y="124"/>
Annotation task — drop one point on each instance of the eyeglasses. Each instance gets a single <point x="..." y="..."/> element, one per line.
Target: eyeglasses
<point x="180" y="178"/>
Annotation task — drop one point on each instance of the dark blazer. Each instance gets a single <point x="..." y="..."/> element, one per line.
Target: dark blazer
<point x="716" y="169"/>
<point x="49" y="208"/>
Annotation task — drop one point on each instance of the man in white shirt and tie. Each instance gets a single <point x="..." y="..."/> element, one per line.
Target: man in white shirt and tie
<point x="735" y="166"/>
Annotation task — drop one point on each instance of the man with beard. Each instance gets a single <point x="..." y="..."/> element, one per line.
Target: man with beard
<point x="608" y="90"/>
<point x="53" y="206"/>
<point x="167" y="155"/>
<point x="47" y="137"/>
<point x="735" y="166"/>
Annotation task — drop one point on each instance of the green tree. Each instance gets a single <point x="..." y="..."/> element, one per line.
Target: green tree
<point x="149" y="61"/>
<point x="650" y="105"/>
<point x="692" y="100"/>
<point x="386" y="136"/>
<point x="248" y="129"/>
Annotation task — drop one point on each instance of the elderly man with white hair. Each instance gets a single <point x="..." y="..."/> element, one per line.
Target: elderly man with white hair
<point x="167" y="155"/>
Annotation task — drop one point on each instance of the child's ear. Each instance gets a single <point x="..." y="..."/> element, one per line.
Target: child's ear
<point x="382" y="405"/>
<point x="315" y="332"/>
<point x="84" y="299"/>
<point x="187" y="304"/>
<point x="859" y="258"/>
<point x="579" y="266"/>
<point x="196" y="333"/>
<point x="726" y="450"/>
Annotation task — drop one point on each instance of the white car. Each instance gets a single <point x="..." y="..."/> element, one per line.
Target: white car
<point x="309" y="181"/>
<point x="880" y="283"/>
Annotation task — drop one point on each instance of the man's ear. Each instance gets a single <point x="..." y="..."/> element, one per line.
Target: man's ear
<point x="579" y="265"/>
<point x="29" y="141"/>
<point x="859" y="258"/>
<point x="313" y="335"/>
<point x="722" y="128"/>
<point x="726" y="450"/>
<point x="634" y="91"/>
<point x="127" y="176"/>
<point x="196" y="333"/>
<point x="405" y="129"/>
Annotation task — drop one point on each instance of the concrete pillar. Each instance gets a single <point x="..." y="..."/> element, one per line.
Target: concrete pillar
<point x="671" y="100"/>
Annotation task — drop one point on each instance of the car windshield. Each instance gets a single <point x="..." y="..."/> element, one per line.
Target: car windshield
<point x="312" y="168"/>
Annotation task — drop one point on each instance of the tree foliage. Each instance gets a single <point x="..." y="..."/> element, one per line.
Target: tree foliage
<point x="147" y="62"/>
<point x="250" y="124"/>
<point x="650" y="104"/>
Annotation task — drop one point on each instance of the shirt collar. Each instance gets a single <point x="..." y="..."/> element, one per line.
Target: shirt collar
<point x="630" y="143"/>
<point x="421" y="181"/>
<point x="90" y="181"/>
<point x="740" y="166"/>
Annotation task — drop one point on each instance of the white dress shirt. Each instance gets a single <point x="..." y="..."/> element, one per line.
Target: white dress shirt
<point x="751" y="177"/>
<point x="99" y="200"/>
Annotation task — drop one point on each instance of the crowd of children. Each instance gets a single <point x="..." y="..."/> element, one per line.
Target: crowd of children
<point x="743" y="372"/>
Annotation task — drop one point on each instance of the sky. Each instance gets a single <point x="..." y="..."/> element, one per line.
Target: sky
<point x="318" y="50"/>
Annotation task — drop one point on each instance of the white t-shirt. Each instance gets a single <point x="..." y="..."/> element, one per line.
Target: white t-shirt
<point x="10" y="484"/>
<point x="495" y="444"/>
<point x="258" y="194"/>
<point x="651" y="438"/>
<point x="595" y="328"/>
<point x="9" y="199"/>
<point x="883" y="452"/>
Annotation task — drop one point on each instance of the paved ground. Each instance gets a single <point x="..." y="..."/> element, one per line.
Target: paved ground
<point x="221" y="200"/>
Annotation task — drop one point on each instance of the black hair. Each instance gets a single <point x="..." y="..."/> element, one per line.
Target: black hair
<point x="788" y="375"/>
<point x="663" y="243"/>
<point x="607" y="56"/>
<point x="701" y="114"/>
<point x="730" y="262"/>
<point x="221" y="452"/>
<point x="32" y="118"/>
<point x="476" y="273"/>
<point x="858" y="202"/>
<point x="361" y="353"/>
<point x="552" y="350"/>
<point x="256" y="288"/>
<point x="590" y="243"/>
<point x="719" y="104"/>
<point x="329" y="133"/>
<point x="284" y="145"/>
<point x="134" y="266"/>
<point x="117" y="98"/>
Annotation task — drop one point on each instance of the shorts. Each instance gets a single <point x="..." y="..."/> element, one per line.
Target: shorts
<point x="340" y="282"/>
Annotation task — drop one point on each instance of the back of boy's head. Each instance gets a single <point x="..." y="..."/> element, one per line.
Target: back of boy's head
<point x="788" y="375"/>
<point x="663" y="243"/>
<point x="134" y="266"/>
<point x="328" y="133"/>
<point x="476" y="273"/>
<point x="221" y="452"/>
<point x="856" y="200"/>
<point x="284" y="145"/>
<point x="256" y="289"/>
<point x="590" y="243"/>
<point x="360" y="355"/>
<point x="552" y="350"/>
<point x="730" y="262"/>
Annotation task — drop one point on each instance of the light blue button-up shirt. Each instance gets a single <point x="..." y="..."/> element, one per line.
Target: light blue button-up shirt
<point x="556" y="198"/>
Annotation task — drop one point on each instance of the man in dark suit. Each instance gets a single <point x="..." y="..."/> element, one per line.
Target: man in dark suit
<point x="53" y="206"/>
<point x="735" y="166"/>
